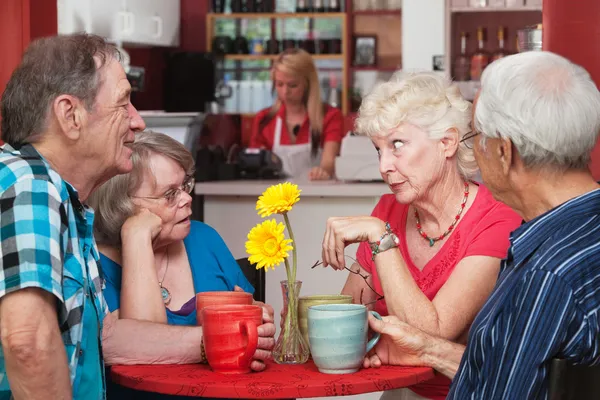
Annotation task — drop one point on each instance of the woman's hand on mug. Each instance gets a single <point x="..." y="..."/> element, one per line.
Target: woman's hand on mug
<point x="142" y="222"/>
<point x="268" y="312"/>
<point x="399" y="344"/>
<point x="342" y="231"/>
<point x="318" y="174"/>
<point x="266" y="335"/>
<point x="266" y="342"/>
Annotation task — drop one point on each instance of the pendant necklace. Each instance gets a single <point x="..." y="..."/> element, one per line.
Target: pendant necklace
<point x="432" y="240"/>
<point x="166" y="295"/>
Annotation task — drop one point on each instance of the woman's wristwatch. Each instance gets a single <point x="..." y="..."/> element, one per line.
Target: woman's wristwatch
<point x="388" y="240"/>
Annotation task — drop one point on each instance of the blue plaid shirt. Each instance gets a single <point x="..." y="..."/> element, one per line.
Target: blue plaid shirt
<point x="545" y="305"/>
<point x="47" y="242"/>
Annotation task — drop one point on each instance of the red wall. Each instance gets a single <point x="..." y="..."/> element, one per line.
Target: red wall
<point x="571" y="29"/>
<point x="20" y="22"/>
<point x="14" y="36"/>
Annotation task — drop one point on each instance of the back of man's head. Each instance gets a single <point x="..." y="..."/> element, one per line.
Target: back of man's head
<point x="548" y="106"/>
<point x="51" y="67"/>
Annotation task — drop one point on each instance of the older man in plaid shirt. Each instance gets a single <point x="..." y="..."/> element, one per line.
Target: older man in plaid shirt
<point x="67" y="120"/>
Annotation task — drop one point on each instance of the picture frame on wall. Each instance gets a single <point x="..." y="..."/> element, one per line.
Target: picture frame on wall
<point x="365" y="50"/>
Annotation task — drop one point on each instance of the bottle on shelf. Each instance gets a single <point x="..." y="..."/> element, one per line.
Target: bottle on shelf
<point x="218" y="6"/>
<point x="302" y="6"/>
<point x="501" y="51"/>
<point x="334" y="6"/>
<point x="462" y="64"/>
<point x="319" y="6"/>
<point x="479" y="59"/>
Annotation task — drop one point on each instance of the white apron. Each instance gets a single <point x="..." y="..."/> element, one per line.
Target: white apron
<point x="295" y="158"/>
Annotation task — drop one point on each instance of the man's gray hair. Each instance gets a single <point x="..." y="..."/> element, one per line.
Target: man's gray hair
<point x="51" y="67"/>
<point x="546" y="105"/>
<point x="112" y="201"/>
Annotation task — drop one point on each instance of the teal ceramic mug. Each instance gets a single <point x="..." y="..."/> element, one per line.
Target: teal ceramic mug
<point x="338" y="336"/>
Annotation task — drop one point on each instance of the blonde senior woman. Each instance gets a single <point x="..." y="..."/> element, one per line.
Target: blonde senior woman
<point x="433" y="246"/>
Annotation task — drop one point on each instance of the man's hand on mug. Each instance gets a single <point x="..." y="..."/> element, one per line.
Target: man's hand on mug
<point x="399" y="344"/>
<point x="266" y="333"/>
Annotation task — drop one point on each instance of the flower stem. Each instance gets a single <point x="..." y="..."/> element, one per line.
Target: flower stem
<point x="290" y="296"/>
<point x="294" y="262"/>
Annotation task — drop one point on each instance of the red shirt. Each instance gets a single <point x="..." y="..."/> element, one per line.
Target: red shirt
<point x="483" y="231"/>
<point x="333" y="129"/>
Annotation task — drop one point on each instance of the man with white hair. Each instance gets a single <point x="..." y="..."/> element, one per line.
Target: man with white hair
<point x="535" y="123"/>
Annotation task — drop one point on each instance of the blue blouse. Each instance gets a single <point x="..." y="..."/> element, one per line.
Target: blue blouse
<point x="213" y="269"/>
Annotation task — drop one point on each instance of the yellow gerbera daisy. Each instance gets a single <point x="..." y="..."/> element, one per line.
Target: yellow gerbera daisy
<point x="278" y="199"/>
<point x="267" y="245"/>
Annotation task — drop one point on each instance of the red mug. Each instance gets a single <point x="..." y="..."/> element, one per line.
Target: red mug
<point x="230" y="334"/>
<point x="205" y="299"/>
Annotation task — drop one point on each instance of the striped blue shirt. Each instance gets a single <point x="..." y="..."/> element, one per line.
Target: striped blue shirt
<point x="545" y="305"/>
<point x="47" y="242"/>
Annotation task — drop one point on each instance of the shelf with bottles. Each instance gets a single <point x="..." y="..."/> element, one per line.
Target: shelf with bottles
<point x="248" y="93"/>
<point x="263" y="57"/>
<point x="475" y="40"/>
<point x="275" y="15"/>
<point x="249" y="40"/>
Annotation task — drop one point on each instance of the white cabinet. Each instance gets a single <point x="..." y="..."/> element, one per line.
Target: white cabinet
<point x="134" y="22"/>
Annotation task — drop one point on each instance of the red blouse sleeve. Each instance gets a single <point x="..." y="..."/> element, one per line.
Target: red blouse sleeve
<point x="333" y="125"/>
<point x="257" y="139"/>
<point x="491" y="235"/>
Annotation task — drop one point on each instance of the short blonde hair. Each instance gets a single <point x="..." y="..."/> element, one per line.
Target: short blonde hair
<point x="424" y="99"/>
<point x="112" y="201"/>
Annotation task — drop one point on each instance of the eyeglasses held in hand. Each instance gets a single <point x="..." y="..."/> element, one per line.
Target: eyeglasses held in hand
<point x="365" y="277"/>
<point x="172" y="196"/>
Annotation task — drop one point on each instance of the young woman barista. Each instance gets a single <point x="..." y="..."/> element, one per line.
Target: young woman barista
<point x="302" y="131"/>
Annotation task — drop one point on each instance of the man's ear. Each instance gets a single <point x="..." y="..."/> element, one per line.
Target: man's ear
<point x="450" y="142"/>
<point x="505" y="155"/>
<point x="68" y="111"/>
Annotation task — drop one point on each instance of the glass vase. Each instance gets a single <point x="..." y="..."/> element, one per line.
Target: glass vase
<point x="290" y="348"/>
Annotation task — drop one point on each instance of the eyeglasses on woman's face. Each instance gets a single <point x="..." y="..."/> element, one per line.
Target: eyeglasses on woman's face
<point x="467" y="139"/>
<point x="173" y="195"/>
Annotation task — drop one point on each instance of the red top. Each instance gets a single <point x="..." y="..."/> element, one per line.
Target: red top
<point x="483" y="231"/>
<point x="333" y="129"/>
<point x="275" y="382"/>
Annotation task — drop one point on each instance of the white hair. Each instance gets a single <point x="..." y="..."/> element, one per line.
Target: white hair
<point x="424" y="99"/>
<point x="546" y="105"/>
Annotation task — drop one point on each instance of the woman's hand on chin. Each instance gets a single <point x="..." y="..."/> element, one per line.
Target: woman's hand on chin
<point x="142" y="222"/>
<point x="342" y="231"/>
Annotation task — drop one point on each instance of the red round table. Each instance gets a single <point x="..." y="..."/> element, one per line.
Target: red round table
<point x="276" y="382"/>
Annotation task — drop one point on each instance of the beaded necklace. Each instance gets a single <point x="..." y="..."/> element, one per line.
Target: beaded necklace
<point x="443" y="235"/>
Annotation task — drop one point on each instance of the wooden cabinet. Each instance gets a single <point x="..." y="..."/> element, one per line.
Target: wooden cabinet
<point x="273" y="17"/>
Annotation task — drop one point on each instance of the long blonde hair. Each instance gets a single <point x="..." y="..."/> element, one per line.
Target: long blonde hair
<point x="297" y="62"/>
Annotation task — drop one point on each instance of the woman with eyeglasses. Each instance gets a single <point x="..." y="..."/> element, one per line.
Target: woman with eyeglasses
<point x="433" y="246"/>
<point x="153" y="256"/>
<point x="299" y="128"/>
